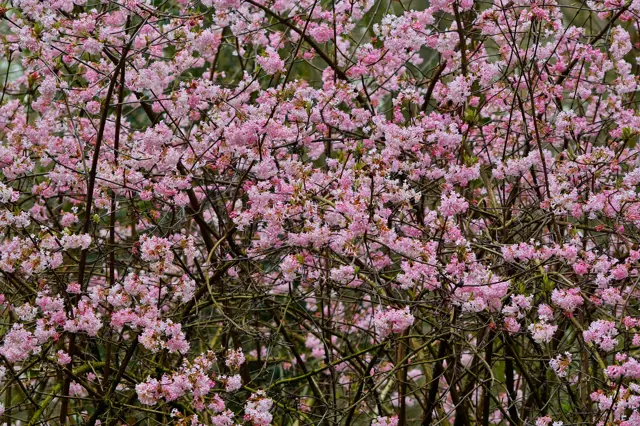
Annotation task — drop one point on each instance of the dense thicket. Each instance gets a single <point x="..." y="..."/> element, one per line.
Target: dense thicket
<point x="327" y="212"/>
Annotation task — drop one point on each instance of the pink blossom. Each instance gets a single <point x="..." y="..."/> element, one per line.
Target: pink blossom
<point x="233" y="383"/>
<point x="256" y="411"/>
<point x="271" y="62"/>
<point x="234" y="358"/>
<point x="569" y="300"/>
<point x="63" y="357"/>
<point x="542" y="332"/>
<point x="393" y="321"/>
<point x="76" y="241"/>
<point x="18" y="344"/>
<point x="545" y="313"/>
<point x="93" y="107"/>
<point x="602" y="333"/>
<point x="321" y="33"/>
<point x="148" y="391"/>
<point x="453" y="204"/>
<point x="511" y="325"/>
<point x="560" y="363"/>
<point x="74" y="288"/>
<point x="224" y="419"/>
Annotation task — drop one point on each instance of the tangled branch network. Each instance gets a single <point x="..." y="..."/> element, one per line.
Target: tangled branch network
<point x="319" y="212"/>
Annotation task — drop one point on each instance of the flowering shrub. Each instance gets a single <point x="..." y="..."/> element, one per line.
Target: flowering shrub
<point x="345" y="212"/>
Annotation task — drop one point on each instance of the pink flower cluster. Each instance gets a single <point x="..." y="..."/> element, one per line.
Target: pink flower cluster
<point x="195" y="378"/>
<point x="256" y="411"/>
<point x="393" y="321"/>
<point x="602" y="333"/>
